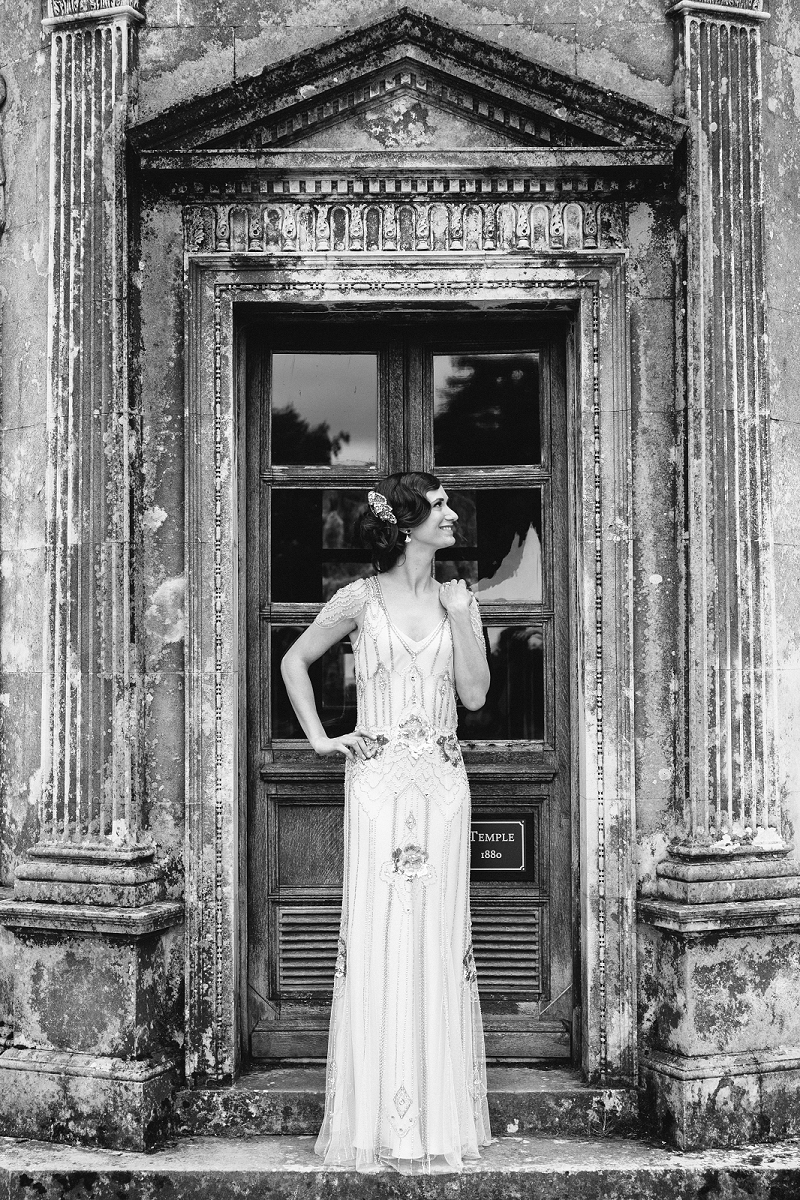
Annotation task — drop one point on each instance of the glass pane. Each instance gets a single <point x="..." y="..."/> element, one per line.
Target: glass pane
<point x="498" y="544"/>
<point x="514" y="707"/>
<point x="315" y="548"/>
<point x="486" y="409"/>
<point x="324" y="409"/>
<point x="334" y="682"/>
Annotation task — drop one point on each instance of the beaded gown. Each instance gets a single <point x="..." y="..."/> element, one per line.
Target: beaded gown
<point x="406" y="1073"/>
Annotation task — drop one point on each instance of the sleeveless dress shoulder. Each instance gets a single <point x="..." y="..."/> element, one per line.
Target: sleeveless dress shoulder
<point x="406" y="1071"/>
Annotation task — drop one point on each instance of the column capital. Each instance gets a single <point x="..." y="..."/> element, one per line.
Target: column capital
<point x="62" y="14"/>
<point x="721" y="10"/>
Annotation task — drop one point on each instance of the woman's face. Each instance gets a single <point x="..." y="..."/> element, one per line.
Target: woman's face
<point x="438" y="528"/>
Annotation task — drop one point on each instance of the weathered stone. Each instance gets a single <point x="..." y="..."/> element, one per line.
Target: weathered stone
<point x="290" y="1101"/>
<point x="283" y="1168"/>
<point x="91" y="1099"/>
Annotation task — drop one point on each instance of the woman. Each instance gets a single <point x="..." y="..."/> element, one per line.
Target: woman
<point x="406" y="1078"/>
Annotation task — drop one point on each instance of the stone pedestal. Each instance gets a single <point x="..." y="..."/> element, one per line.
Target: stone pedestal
<point x="719" y="970"/>
<point x="98" y="950"/>
<point x="719" y="958"/>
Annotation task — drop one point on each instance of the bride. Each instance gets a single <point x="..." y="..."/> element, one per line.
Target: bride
<point x="406" y="1075"/>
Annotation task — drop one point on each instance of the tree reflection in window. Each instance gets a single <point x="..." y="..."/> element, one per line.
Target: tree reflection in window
<point x="515" y="705"/>
<point x="486" y="409"/>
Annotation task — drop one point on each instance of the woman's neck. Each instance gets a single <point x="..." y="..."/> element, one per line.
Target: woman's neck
<point x="413" y="573"/>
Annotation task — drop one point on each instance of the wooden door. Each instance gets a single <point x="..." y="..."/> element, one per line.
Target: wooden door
<point x="334" y="401"/>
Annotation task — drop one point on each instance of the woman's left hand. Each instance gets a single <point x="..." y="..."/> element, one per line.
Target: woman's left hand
<point x="455" y="596"/>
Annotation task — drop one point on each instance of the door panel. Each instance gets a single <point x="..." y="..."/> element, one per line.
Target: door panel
<point x="333" y="403"/>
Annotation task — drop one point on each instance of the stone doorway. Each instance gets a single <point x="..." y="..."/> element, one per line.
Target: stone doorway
<point x="407" y="379"/>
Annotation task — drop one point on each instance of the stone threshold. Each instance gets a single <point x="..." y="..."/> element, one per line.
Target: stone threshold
<point x="290" y="1101"/>
<point x="286" y="1168"/>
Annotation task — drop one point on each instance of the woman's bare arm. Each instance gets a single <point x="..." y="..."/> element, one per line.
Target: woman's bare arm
<point x="309" y="647"/>
<point x="469" y="656"/>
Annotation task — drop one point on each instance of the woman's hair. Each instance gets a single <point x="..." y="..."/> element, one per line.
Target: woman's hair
<point x="405" y="495"/>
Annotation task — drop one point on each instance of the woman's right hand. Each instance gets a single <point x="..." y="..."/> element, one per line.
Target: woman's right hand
<point x="352" y="745"/>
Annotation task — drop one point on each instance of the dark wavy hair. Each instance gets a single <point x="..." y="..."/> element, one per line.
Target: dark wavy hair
<point x="405" y="493"/>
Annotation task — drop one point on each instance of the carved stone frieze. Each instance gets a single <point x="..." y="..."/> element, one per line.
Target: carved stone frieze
<point x="373" y="228"/>
<point x="76" y="8"/>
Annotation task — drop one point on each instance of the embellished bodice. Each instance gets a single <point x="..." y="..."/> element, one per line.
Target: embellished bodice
<point x="399" y="681"/>
<point x="397" y="676"/>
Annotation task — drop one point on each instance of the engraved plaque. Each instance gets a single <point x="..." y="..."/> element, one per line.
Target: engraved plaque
<point x="501" y="847"/>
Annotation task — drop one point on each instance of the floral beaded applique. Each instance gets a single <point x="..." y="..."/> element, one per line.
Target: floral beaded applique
<point x="470" y="971"/>
<point x="408" y="865"/>
<point x="340" y="970"/>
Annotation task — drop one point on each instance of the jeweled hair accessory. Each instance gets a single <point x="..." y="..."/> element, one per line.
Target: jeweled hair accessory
<point x="381" y="507"/>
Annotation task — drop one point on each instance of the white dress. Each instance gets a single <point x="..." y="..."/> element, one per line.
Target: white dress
<point x="406" y="1075"/>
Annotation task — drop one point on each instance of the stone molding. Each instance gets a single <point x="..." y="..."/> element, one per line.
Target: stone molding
<point x="726" y="917"/>
<point x="132" y="922"/>
<point x="594" y="286"/>
<point x="729" y="705"/>
<point x="89" y="1066"/>
<point x="293" y="92"/>
<point x="370" y="227"/>
<point x="703" y="1066"/>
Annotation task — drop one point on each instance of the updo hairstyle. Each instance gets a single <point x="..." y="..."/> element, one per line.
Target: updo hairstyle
<point x="405" y="494"/>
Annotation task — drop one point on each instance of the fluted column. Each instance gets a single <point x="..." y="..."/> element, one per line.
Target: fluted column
<point x="90" y="790"/>
<point x="719" y="1035"/>
<point x="730" y="696"/>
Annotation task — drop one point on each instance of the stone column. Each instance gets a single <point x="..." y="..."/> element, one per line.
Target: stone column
<point x="721" y="1032"/>
<point x="97" y="962"/>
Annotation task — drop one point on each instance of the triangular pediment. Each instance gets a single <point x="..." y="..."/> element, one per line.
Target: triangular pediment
<point x="408" y="82"/>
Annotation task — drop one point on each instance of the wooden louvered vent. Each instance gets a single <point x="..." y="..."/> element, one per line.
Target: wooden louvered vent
<point x="507" y="949"/>
<point x="307" y="940"/>
<point x="507" y="943"/>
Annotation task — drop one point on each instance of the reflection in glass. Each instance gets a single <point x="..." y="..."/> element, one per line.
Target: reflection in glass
<point x="333" y="679"/>
<point x="498" y="547"/>
<point x="514" y="707"/>
<point x="324" y="409"/>
<point x="315" y="547"/>
<point x="486" y="409"/>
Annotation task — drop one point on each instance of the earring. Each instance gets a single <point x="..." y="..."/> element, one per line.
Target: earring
<point x="408" y="536"/>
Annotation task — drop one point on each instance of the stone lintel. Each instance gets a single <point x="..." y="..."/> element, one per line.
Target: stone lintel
<point x="130" y="922"/>
<point x="724" y="12"/>
<point x="737" y="916"/>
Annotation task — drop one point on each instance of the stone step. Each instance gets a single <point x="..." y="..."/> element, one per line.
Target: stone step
<point x="284" y="1168"/>
<point x="290" y="1101"/>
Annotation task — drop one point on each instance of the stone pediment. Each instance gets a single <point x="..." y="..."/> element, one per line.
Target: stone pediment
<point x="408" y="82"/>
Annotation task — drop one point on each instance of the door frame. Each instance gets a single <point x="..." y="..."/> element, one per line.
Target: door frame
<point x="591" y="285"/>
<point x="507" y="774"/>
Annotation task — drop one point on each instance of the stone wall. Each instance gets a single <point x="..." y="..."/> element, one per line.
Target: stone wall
<point x="187" y="49"/>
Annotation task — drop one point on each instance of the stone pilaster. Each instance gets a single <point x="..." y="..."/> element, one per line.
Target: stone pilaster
<point x="721" y="1053"/>
<point x="98" y="960"/>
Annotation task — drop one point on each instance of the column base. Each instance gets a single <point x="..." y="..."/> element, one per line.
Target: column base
<point x="83" y="1098"/>
<point x="720" y="1023"/>
<point x="720" y="1100"/>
